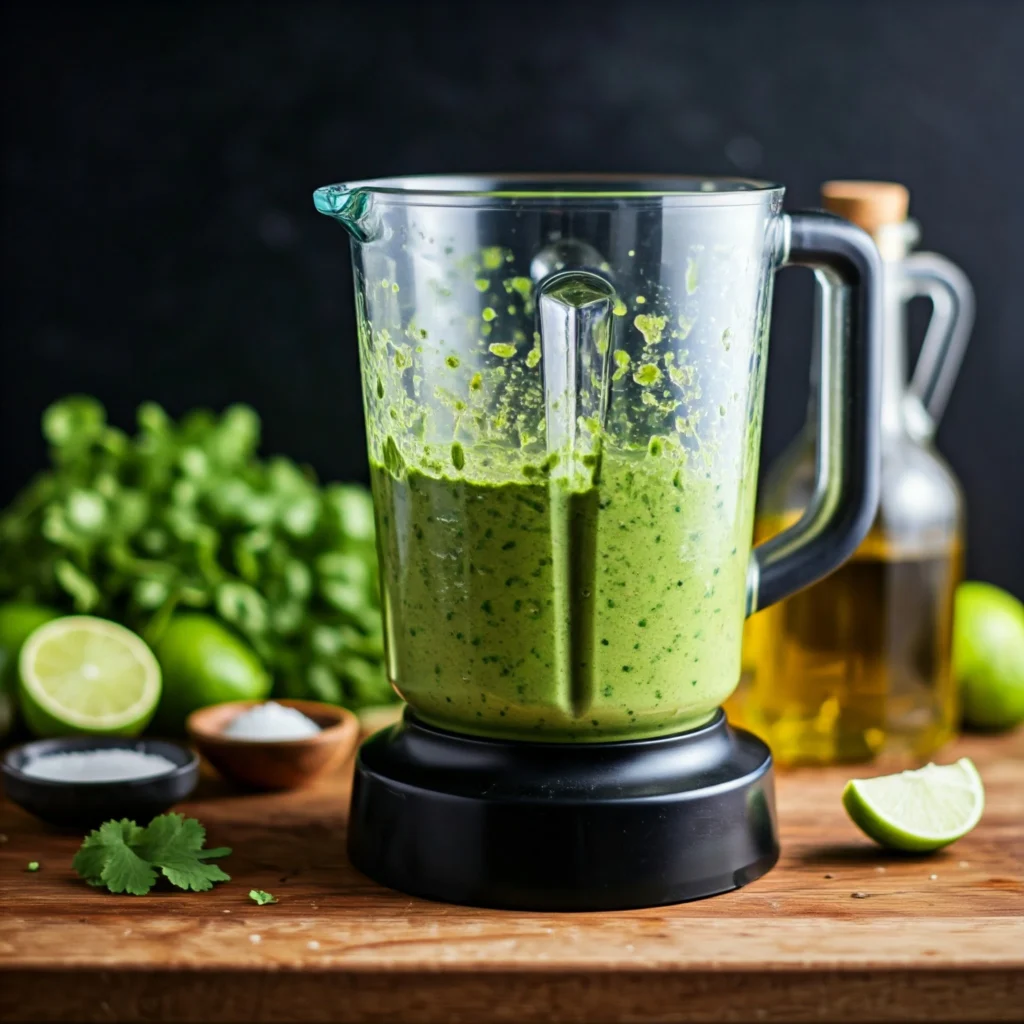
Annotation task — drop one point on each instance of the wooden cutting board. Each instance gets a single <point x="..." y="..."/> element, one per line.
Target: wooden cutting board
<point x="839" y="931"/>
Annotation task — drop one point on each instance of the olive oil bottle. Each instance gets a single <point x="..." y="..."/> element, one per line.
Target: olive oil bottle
<point x="859" y="664"/>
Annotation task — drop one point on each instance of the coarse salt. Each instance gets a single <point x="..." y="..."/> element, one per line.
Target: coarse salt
<point x="271" y="721"/>
<point x="115" y="764"/>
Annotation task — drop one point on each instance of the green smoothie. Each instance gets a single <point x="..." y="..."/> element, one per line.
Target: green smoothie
<point x="520" y="606"/>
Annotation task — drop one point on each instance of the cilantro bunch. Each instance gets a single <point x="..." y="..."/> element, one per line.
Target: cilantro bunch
<point x="186" y="515"/>
<point x="125" y="858"/>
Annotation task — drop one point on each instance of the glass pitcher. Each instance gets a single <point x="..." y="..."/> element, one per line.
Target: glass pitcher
<point x="859" y="664"/>
<point x="563" y="384"/>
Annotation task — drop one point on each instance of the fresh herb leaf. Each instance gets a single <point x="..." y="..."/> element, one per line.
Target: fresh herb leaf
<point x="33" y="865"/>
<point x="98" y="844"/>
<point x="125" y="871"/>
<point x="187" y="872"/>
<point x="261" y="897"/>
<point x="126" y="858"/>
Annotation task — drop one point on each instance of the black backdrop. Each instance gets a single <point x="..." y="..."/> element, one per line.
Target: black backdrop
<point x="158" y="158"/>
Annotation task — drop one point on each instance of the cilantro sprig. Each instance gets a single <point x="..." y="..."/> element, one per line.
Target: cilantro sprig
<point x="261" y="897"/>
<point x="125" y="858"/>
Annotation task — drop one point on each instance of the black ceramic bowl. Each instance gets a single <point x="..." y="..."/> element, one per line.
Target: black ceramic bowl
<point x="88" y="804"/>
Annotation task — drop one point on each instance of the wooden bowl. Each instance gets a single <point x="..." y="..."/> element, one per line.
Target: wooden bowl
<point x="274" y="764"/>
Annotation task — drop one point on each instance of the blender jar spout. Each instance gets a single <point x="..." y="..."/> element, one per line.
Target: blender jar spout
<point x="352" y="207"/>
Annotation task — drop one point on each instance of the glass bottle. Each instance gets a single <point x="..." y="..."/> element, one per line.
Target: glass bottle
<point x="859" y="664"/>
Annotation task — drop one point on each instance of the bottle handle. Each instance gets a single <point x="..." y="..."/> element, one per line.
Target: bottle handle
<point x="848" y="456"/>
<point x="928" y="275"/>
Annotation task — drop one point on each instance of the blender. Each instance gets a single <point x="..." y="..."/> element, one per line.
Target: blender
<point x="563" y="381"/>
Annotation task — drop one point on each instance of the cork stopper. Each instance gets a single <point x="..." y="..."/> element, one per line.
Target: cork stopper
<point x="868" y="204"/>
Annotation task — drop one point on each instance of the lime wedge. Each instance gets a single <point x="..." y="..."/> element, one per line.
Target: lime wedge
<point x="81" y="674"/>
<point x="918" y="811"/>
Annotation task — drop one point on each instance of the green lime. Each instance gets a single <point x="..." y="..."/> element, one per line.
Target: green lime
<point x="204" y="663"/>
<point x="81" y="674"/>
<point x="918" y="811"/>
<point x="988" y="655"/>
<point x="17" y="620"/>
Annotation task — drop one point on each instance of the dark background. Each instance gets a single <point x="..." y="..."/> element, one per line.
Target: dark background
<point x="159" y="240"/>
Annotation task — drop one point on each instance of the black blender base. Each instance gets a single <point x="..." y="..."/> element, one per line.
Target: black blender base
<point x="553" y="826"/>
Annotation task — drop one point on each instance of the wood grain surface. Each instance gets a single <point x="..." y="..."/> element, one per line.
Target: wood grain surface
<point x="839" y="931"/>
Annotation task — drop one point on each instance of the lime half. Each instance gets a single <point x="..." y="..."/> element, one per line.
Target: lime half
<point x="81" y="674"/>
<point x="918" y="811"/>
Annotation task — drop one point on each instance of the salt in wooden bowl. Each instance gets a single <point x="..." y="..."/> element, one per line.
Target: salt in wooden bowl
<point x="275" y="764"/>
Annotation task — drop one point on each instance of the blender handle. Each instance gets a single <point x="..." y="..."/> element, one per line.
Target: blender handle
<point x="928" y="275"/>
<point x="849" y="446"/>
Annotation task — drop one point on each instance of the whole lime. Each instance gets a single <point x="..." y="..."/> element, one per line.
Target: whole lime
<point x="988" y="655"/>
<point x="204" y="663"/>
<point x="17" y="621"/>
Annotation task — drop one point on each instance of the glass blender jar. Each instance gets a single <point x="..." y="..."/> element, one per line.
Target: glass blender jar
<point x="563" y="383"/>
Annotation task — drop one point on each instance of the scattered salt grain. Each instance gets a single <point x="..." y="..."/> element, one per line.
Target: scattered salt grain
<point x="115" y="764"/>
<point x="271" y="721"/>
<point x="255" y="939"/>
<point x="933" y="877"/>
<point x="312" y="944"/>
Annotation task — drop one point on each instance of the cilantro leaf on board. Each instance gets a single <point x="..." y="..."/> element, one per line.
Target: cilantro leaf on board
<point x="187" y="872"/>
<point x="173" y="843"/>
<point x="261" y="897"/>
<point x="217" y="851"/>
<point x="126" y="871"/>
<point x="125" y="858"/>
<point x="98" y="845"/>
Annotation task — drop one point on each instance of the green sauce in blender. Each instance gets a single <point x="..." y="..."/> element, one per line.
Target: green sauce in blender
<point x="529" y="608"/>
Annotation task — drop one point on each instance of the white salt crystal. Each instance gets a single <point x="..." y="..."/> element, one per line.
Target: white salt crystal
<point x="116" y="764"/>
<point x="271" y="721"/>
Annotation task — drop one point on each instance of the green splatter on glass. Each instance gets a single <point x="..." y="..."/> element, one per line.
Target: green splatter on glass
<point x="651" y="327"/>
<point x="492" y="257"/>
<point x="622" y="361"/>
<point x="691" y="276"/>
<point x="647" y="374"/>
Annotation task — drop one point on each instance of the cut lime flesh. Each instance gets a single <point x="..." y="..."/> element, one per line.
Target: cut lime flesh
<point x="918" y="811"/>
<point x="83" y="674"/>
